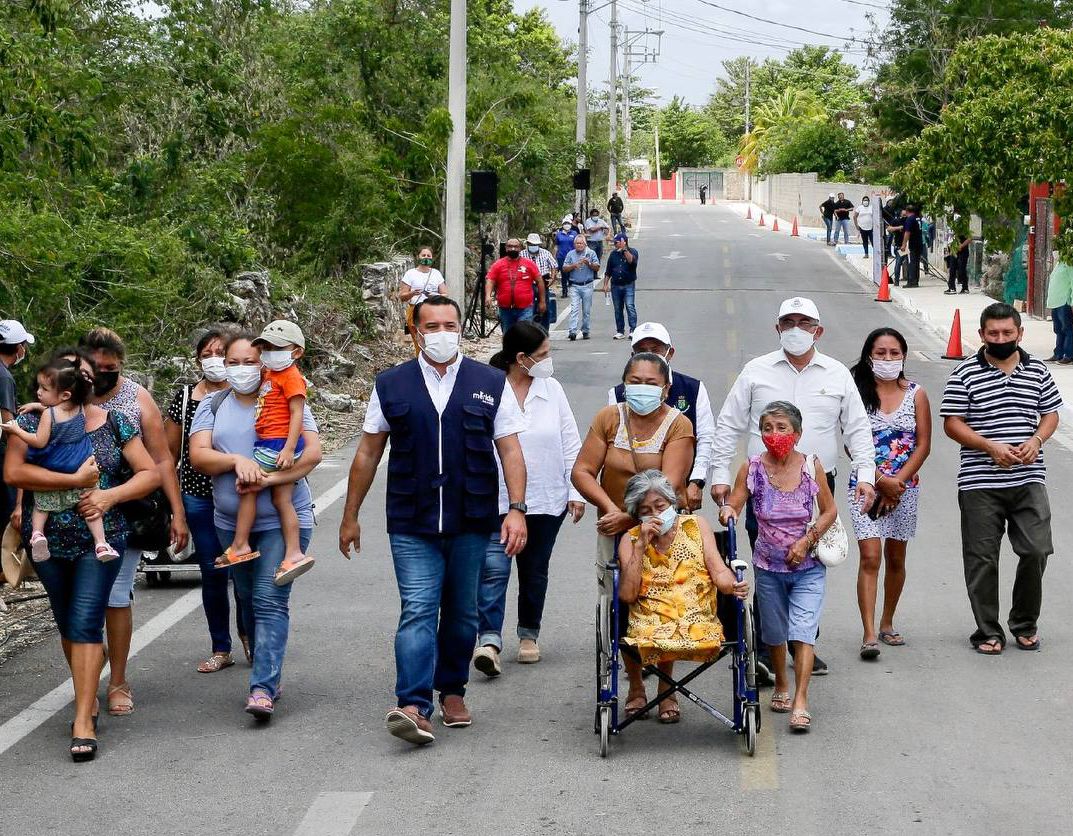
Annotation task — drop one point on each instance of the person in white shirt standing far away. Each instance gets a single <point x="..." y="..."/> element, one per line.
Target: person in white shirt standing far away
<point x="818" y="385"/>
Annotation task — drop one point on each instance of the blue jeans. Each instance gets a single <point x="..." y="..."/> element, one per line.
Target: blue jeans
<point x="899" y="262"/>
<point x="214" y="582"/>
<point x="78" y="592"/>
<point x="581" y="307"/>
<point x="623" y="296"/>
<point x="265" y="606"/>
<point x="791" y="604"/>
<point x="842" y="226"/>
<point x="598" y="248"/>
<point x="828" y="222"/>
<point x="616" y="224"/>
<point x="1062" y="321"/>
<point x="437" y="578"/>
<point x="546" y="319"/>
<point x="533" y="560"/>
<point x="508" y="316"/>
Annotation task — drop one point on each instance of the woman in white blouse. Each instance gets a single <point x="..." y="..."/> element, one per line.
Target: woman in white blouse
<point x="418" y="283"/>
<point x="550" y="444"/>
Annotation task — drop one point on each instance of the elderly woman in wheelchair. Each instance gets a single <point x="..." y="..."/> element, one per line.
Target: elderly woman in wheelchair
<point x="671" y="570"/>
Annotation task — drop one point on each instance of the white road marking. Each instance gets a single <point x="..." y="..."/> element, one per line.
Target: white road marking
<point x="59" y="697"/>
<point x="674" y="256"/>
<point x="779" y="256"/>
<point x="637" y="231"/>
<point x="333" y="814"/>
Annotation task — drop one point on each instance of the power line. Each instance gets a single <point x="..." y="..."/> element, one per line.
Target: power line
<point x="843" y="38"/>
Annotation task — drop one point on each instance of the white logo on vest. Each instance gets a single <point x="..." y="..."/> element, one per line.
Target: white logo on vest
<point x="484" y="397"/>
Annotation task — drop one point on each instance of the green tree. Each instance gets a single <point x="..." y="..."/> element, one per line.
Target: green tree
<point x="826" y="148"/>
<point x="912" y="85"/>
<point x="776" y="120"/>
<point x="1006" y="125"/>
<point x="688" y="138"/>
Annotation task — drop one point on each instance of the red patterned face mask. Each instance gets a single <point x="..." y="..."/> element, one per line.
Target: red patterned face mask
<point x="779" y="444"/>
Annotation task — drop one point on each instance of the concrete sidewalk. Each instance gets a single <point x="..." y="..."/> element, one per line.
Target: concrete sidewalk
<point x="931" y="305"/>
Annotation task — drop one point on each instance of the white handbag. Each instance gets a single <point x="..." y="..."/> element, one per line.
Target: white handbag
<point x="833" y="547"/>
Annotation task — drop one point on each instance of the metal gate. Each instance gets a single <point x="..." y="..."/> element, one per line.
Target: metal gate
<point x="693" y="179"/>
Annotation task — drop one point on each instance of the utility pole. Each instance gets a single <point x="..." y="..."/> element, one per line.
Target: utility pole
<point x="748" y="103"/>
<point x="612" y="103"/>
<point x="634" y="45"/>
<point x="454" y="231"/>
<point x="659" y="175"/>
<point x="582" y="89"/>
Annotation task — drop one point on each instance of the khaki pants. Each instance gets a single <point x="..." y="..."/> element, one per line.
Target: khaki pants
<point x="1025" y="514"/>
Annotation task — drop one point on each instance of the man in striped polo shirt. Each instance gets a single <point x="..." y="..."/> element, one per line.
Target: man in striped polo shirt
<point x="1001" y="406"/>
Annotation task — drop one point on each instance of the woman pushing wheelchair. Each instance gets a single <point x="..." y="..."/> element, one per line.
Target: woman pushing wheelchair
<point x="671" y="570"/>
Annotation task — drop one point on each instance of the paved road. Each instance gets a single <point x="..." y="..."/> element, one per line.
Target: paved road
<point x="930" y="739"/>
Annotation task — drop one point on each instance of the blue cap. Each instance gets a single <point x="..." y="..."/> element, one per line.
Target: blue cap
<point x="621" y="237"/>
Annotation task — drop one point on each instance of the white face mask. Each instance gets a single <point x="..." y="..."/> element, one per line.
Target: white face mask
<point x="277" y="361"/>
<point x="796" y="341"/>
<point x="542" y="368"/>
<point x="887" y="369"/>
<point x="441" y="346"/>
<point x="244" y="379"/>
<point x="533" y="248"/>
<point x="213" y="368"/>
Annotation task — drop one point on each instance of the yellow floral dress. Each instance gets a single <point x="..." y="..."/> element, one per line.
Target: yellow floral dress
<point x="673" y="618"/>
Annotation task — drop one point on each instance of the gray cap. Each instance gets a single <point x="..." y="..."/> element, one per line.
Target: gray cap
<point x="281" y="333"/>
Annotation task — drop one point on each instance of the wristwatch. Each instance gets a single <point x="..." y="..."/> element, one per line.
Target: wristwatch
<point x="700" y="483"/>
<point x="519" y="506"/>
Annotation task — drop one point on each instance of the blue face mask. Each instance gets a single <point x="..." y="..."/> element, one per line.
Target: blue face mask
<point x="643" y="398"/>
<point x="666" y="519"/>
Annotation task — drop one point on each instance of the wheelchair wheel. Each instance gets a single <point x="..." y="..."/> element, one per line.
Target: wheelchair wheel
<point x="605" y="730"/>
<point x="752" y="723"/>
<point x="750" y="649"/>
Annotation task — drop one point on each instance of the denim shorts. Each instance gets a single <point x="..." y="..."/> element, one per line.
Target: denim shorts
<point x="790" y="604"/>
<point x="78" y="593"/>
<point x="123" y="589"/>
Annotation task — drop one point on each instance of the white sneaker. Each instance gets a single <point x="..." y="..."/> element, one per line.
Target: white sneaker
<point x="486" y="660"/>
<point x="619" y="336"/>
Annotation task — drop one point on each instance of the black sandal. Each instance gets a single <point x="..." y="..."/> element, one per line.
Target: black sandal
<point x="88" y="743"/>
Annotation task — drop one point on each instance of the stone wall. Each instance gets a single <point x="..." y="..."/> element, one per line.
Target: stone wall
<point x="800" y="195"/>
<point x="379" y="289"/>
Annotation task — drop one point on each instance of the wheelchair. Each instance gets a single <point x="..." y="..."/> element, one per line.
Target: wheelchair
<point x="736" y="618"/>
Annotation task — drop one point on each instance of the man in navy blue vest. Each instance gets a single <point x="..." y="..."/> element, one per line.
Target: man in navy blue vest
<point x="687" y="395"/>
<point x="446" y="416"/>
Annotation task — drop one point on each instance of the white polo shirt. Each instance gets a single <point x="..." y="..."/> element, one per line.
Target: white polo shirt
<point x="830" y="404"/>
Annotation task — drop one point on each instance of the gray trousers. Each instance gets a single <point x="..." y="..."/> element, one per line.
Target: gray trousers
<point x="1025" y="513"/>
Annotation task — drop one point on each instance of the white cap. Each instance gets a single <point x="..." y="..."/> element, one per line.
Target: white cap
<point x="801" y="306"/>
<point x="832" y="194"/>
<point x="12" y="333"/>
<point x="568" y="218"/>
<point x="651" y="331"/>
<point x="533" y="238"/>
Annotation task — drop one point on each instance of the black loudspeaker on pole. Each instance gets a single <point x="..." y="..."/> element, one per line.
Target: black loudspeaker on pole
<point x="483" y="198"/>
<point x="483" y="191"/>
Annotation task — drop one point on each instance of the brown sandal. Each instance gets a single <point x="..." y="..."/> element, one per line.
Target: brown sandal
<point x="780" y="702"/>
<point x="669" y="715"/>
<point x="120" y="700"/>
<point x="230" y="558"/>
<point x="639" y="702"/>
<point x="216" y="662"/>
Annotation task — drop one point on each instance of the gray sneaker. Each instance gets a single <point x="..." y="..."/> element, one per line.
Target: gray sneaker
<point x="486" y="660"/>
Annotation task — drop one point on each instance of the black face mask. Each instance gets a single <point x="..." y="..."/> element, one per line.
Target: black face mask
<point x="1002" y="351"/>
<point x="513" y="253"/>
<point x="104" y="382"/>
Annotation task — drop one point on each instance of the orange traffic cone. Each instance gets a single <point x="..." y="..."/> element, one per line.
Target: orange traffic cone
<point x="884" y="286"/>
<point x="762" y="219"/>
<point x="953" y="347"/>
<point x="794" y="233"/>
<point x="775" y="225"/>
<point x="749" y="213"/>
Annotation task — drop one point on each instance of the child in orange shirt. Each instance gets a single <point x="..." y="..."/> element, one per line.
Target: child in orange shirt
<point x="278" y="425"/>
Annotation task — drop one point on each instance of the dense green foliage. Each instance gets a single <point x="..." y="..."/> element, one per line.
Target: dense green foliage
<point x="143" y="161"/>
<point x="1006" y="125"/>
<point x="688" y="138"/>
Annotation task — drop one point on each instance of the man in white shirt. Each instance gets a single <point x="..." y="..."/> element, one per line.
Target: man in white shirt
<point x="446" y="416"/>
<point x="595" y="230"/>
<point x="820" y="386"/>
<point x="686" y="394"/>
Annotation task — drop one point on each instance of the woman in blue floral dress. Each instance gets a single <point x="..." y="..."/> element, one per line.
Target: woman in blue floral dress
<point x="78" y="585"/>
<point x="901" y="431"/>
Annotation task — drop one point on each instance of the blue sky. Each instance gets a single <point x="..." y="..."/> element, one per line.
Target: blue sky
<point x="699" y="37"/>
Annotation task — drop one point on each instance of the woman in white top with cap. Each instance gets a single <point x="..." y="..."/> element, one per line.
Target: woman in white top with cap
<point x="550" y="444"/>
<point x="418" y="283"/>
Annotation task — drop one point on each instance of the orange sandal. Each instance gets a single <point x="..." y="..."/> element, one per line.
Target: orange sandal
<point x="229" y="558"/>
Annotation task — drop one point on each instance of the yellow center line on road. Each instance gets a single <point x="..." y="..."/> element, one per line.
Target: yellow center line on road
<point x="761" y="771"/>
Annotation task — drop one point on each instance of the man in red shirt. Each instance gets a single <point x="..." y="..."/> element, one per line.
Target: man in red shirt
<point x="509" y="285"/>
